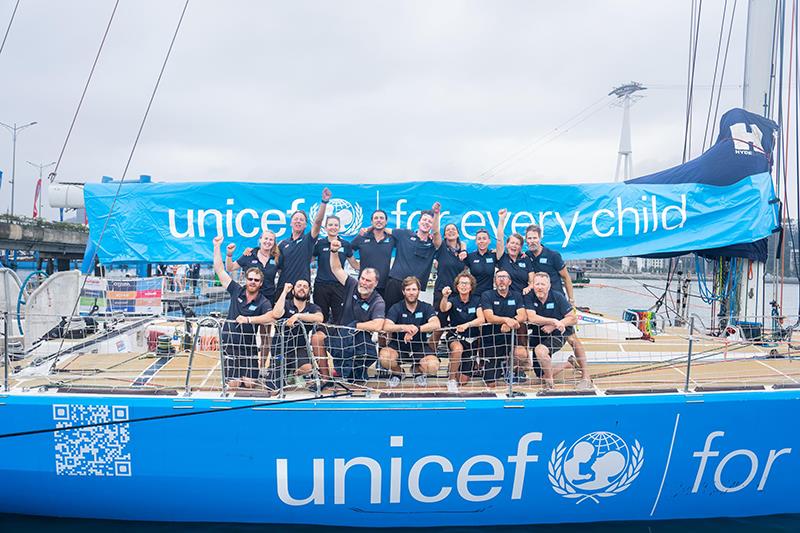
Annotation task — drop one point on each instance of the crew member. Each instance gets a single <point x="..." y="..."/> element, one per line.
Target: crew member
<point x="266" y="257"/>
<point x="328" y="291"/>
<point x="239" y="340"/>
<point x="350" y="344"/>
<point x="482" y="262"/>
<point x="504" y="309"/>
<point x="465" y="315"/>
<point x="408" y="321"/>
<point x="297" y="250"/>
<point x="375" y="246"/>
<point x="552" y="319"/>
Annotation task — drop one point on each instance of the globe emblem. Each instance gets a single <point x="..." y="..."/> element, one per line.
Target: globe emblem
<point x="350" y="215"/>
<point x="596" y="461"/>
<point x="598" y="465"/>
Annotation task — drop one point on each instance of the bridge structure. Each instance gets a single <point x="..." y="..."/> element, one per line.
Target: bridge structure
<point x="36" y="241"/>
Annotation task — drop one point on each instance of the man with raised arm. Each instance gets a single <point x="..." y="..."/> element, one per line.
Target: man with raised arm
<point x="504" y="309"/>
<point x="350" y="340"/>
<point x="297" y="250"/>
<point x="550" y="262"/>
<point x="375" y="246"/>
<point x="552" y="318"/>
<point x="290" y="344"/>
<point x="239" y="339"/>
<point x="415" y="253"/>
<point x="409" y="321"/>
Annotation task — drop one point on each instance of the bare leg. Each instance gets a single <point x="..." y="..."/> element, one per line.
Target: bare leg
<point x="543" y="356"/>
<point x="318" y="349"/>
<point x="388" y="359"/>
<point x="580" y="355"/>
<point x="429" y="365"/>
<point x="456" y="350"/>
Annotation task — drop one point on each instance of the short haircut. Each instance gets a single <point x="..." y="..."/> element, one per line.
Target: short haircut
<point x="300" y="211"/>
<point x="466" y="274"/>
<point x="542" y="275"/>
<point x="374" y="271"/>
<point x="517" y="236"/>
<point x="536" y="228"/>
<point x="304" y="281"/>
<point x="482" y="230"/>
<point x="254" y="270"/>
<point x="428" y="212"/>
<point x="411" y="280"/>
<point x="339" y="220"/>
<point x="503" y="271"/>
<point x="379" y="211"/>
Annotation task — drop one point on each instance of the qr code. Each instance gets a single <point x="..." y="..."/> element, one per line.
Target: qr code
<point x="92" y="451"/>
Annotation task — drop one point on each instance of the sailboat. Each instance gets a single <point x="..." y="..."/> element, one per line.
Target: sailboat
<point x="108" y="433"/>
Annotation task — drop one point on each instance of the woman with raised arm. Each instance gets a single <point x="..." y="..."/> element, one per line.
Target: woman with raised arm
<point x="266" y="258"/>
<point x="464" y="313"/>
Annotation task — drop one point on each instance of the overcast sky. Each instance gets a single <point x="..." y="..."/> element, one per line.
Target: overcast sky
<point x="354" y="91"/>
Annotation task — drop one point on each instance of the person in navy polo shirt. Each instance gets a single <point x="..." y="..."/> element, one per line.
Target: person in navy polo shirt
<point x="543" y="259"/>
<point x="350" y="341"/>
<point x="504" y="309"/>
<point x="552" y="318"/>
<point x="409" y="320"/>
<point x="465" y="315"/>
<point x="290" y="344"/>
<point x="328" y="291"/>
<point x="375" y="246"/>
<point x="415" y="252"/>
<point x="266" y="257"/>
<point x="239" y="340"/>
<point x="297" y="250"/>
<point x="482" y="262"/>
<point x="512" y="258"/>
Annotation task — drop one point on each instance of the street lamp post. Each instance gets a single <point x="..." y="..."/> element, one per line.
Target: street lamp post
<point x="41" y="167"/>
<point x="13" y="130"/>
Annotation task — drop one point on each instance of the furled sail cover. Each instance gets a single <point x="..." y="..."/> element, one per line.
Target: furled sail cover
<point x="743" y="148"/>
<point x="725" y="197"/>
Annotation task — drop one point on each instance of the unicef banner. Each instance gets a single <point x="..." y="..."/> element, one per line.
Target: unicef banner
<point x="176" y="222"/>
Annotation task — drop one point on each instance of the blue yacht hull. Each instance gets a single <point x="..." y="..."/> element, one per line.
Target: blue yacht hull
<point x="401" y="462"/>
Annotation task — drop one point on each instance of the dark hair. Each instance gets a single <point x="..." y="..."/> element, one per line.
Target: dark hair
<point x="534" y="228"/>
<point x="305" y="216"/>
<point x="379" y="211"/>
<point x="458" y="239"/>
<point x="428" y="212"/>
<point x="482" y="230"/>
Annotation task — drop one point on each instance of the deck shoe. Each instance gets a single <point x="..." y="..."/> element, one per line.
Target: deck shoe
<point x="393" y="382"/>
<point x="452" y="386"/>
<point x="421" y="380"/>
<point x="574" y="362"/>
<point x="323" y="384"/>
<point x="584" y="384"/>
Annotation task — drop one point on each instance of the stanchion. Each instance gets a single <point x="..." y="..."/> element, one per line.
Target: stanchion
<point x="6" y="356"/>
<point x="689" y="355"/>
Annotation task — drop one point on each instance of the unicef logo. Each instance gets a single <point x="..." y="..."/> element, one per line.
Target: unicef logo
<point x="350" y="215"/>
<point x="597" y="465"/>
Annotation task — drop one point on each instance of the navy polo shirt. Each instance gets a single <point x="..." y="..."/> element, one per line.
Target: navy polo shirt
<point x="269" y="270"/>
<point x="463" y="312"/>
<point x="502" y="305"/>
<point x="377" y="254"/>
<point x="481" y="266"/>
<point x="356" y="309"/>
<point x="449" y="266"/>
<point x="400" y="314"/>
<point x="296" y="255"/>
<point x="243" y="334"/>
<point x="550" y="262"/>
<point x="518" y="270"/>
<point x="296" y="336"/>
<point x="414" y="256"/>
<point x="555" y="306"/>
<point x="322" y="251"/>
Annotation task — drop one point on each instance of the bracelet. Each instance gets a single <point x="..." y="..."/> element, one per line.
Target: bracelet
<point x="323" y="201"/>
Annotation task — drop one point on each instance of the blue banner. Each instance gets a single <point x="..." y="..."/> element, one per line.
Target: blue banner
<point x="176" y="222"/>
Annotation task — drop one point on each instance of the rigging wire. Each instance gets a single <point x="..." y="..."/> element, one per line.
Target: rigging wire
<point x="722" y="75"/>
<point x="795" y="249"/>
<point x="8" y="28"/>
<point x="170" y="416"/>
<point x="714" y="77"/>
<point x="127" y="165"/>
<point x="52" y="175"/>
<point x="559" y="130"/>
<point x="788" y="120"/>
<point x="693" y="42"/>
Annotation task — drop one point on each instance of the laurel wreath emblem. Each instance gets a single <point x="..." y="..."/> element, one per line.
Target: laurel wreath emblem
<point x="555" y="473"/>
